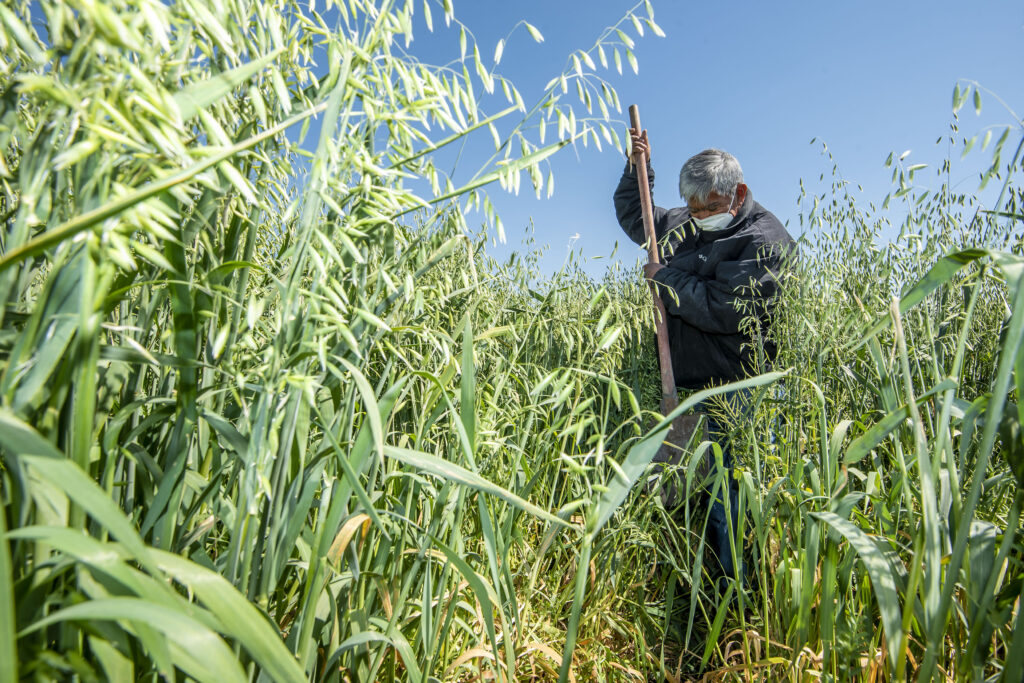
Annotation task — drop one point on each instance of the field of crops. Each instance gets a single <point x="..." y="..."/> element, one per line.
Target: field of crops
<point x="270" y="412"/>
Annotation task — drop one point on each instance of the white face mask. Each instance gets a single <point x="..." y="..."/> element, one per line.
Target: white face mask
<point x="717" y="222"/>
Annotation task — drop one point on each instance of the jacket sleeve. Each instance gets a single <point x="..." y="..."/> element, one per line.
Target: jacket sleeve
<point x="629" y="213"/>
<point x="739" y="289"/>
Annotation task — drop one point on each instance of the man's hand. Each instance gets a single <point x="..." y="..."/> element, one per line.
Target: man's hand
<point x="640" y="146"/>
<point x="651" y="268"/>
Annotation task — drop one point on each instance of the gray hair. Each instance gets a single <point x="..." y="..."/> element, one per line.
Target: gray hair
<point x="713" y="170"/>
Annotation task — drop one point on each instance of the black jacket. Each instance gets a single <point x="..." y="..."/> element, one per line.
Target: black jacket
<point x="712" y="282"/>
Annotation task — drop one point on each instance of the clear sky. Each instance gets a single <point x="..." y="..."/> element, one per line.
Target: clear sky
<point x="759" y="79"/>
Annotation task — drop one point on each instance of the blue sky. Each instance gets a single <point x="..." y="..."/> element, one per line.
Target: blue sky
<point x="760" y="79"/>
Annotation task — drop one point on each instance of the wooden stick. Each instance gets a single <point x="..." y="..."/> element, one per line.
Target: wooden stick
<point x="669" y="399"/>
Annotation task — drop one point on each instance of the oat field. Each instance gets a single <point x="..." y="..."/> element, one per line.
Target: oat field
<point x="270" y="411"/>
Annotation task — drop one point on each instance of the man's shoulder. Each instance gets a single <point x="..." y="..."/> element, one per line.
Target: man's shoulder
<point x="765" y="227"/>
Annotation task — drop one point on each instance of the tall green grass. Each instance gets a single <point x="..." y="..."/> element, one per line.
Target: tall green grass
<point x="255" y="427"/>
<point x="258" y="426"/>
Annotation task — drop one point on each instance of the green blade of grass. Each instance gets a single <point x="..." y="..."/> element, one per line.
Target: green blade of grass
<point x="712" y="638"/>
<point x="880" y="571"/>
<point x="108" y="558"/>
<point x="8" y="625"/>
<point x="876" y="434"/>
<point x="395" y="640"/>
<point x="202" y="94"/>
<point x="467" y="402"/>
<point x="198" y="650"/>
<point x="373" y="413"/>
<point x="240" y="619"/>
<point x="484" y="592"/>
<point x="449" y="471"/>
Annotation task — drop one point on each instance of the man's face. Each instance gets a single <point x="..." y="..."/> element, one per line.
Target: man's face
<point x="717" y="203"/>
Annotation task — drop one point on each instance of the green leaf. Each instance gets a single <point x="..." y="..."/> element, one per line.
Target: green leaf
<point x="88" y="495"/>
<point x="238" y="617"/>
<point x="485" y="593"/>
<point x="19" y="439"/>
<point x="196" y="649"/>
<point x="882" y="580"/>
<point x="712" y="638"/>
<point x="394" y="638"/>
<point x="369" y="405"/>
<point x="228" y="432"/>
<point x="352" y="464"/>
<point x="23" y="442"/>
<point x="863" y="444"/>
<point x="8" y="624"/>
<point x="106" y="557"/>
<point x="449" y="471"/>
<point x="202" y="94"/>
<point x="467" y="401"/>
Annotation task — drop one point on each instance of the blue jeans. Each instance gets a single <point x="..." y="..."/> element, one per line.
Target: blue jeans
<point x="716" y="535"/>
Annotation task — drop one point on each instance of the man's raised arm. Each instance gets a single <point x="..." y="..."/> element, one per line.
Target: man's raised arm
<point x="627" y="206"/>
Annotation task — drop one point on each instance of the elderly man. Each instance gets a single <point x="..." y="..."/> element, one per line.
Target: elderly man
<point x="721" y="254"/>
